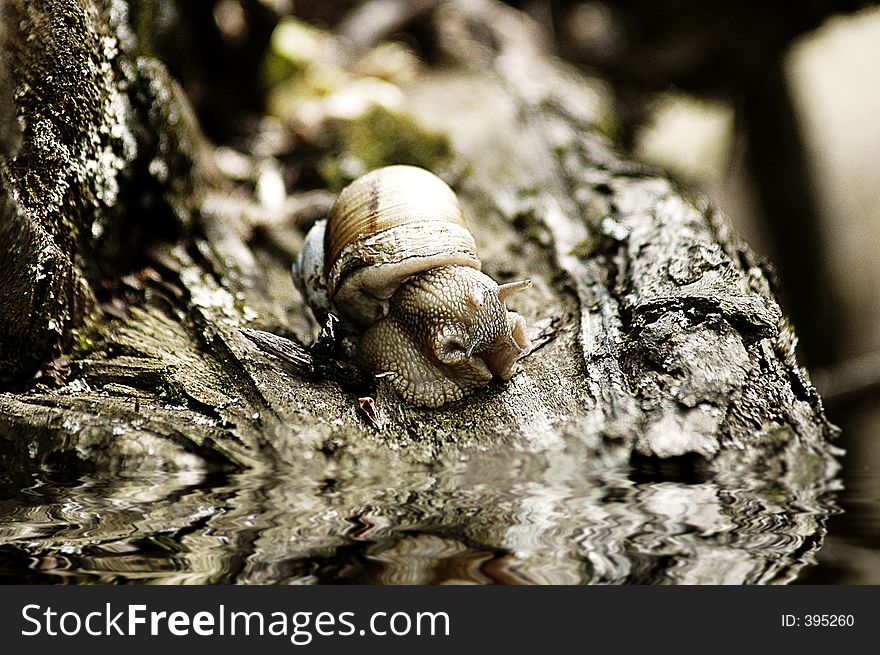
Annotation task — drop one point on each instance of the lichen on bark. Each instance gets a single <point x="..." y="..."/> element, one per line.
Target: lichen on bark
<point x="62" y="179"/>
<point x="660" y="336"/>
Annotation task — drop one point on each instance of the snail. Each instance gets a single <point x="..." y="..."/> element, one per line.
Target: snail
<point x="395" y="260"/>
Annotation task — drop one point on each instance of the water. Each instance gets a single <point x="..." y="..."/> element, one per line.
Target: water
<point x="851" y="551"/>
<point x="483" y="522"/>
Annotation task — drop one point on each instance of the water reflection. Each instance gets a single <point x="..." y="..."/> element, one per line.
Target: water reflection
<point x="480" y="522"/>
<point x="851" y="553"/>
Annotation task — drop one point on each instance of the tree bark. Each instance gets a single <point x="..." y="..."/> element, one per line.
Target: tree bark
<point x="659" y="339"/>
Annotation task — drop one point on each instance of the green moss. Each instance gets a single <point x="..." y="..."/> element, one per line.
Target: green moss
<point x="586" y="248"/>
<point x="381" y="137"/>
<point x="85" y="339"/>
<point x="171" y="395"/>
<point x="294" y="65"/>
<point x="295" y="42"/>
<point x="292" y="48"/>
<point x="300" y="69"/>
<point x="83" y="343"/>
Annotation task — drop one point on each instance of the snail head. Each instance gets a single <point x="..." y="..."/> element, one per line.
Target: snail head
<point x="451" y="333"/>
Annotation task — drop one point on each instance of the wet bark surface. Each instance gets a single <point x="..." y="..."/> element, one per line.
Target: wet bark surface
<point x="660" y="347"/>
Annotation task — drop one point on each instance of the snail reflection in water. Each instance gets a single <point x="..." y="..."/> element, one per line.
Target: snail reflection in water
<point x="397" y="261"/>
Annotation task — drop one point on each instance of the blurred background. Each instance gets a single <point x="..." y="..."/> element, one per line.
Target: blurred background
<point x="772" y="112"/>
<point x="770" y="108"/>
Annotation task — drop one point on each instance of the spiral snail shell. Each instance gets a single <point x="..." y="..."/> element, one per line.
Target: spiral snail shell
<point x="396" y="260"/>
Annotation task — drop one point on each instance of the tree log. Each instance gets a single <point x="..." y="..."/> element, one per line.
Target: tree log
<point x="660" y="349"/>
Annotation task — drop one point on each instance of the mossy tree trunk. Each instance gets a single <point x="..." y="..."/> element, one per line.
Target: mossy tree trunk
<point x="134" y="254"/>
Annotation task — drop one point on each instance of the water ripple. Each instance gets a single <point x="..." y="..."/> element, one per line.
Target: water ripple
<point x="482" y="522"/>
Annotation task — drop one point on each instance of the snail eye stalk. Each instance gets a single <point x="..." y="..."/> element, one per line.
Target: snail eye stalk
<point x="508" y="289"/>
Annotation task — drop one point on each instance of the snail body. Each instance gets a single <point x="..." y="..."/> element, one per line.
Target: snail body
<point x="396" y="261"/>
